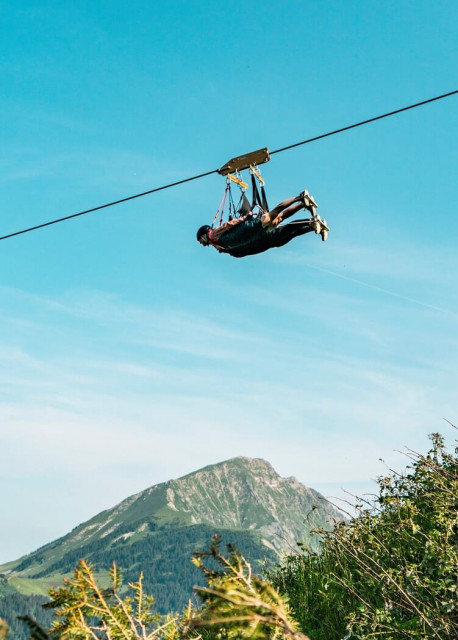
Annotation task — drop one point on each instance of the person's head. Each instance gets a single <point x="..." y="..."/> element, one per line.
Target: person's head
<point x="202" y="234"/>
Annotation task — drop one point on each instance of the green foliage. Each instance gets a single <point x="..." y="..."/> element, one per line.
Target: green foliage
<point x="84" y="610"/>
<point x="392" y="571"/>
<point x="237" y="603"/>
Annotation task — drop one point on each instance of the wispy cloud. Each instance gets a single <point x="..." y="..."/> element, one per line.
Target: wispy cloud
<point x="386" y="268"/>
<point x="236" y="381"/>
<point x="132" y="395"/>
<point x="105" y="168"/>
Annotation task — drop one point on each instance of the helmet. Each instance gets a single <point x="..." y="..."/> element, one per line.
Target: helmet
<point x="203" y="230"/>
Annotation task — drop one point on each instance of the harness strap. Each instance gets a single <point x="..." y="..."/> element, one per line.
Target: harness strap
<point x="261" y="203"/>
<point x="222" y="204"/>
<point x="265" y="206"/>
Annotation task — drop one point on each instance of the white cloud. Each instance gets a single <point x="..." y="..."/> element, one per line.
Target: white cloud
<point x="96" y="387"/>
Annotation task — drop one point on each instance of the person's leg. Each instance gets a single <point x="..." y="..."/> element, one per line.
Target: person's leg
<point x="283" y="235"/>
<point x="283" y="214"/>
<point x="289" y="207"/>
<point x="283" y="205"/>
<point x="286" y="209"/>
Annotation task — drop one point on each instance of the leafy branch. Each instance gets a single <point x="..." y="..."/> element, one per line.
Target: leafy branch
<point x="239" y="603"/>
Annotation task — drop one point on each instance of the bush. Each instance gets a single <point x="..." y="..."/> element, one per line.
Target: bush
<point x="391" y="572"/>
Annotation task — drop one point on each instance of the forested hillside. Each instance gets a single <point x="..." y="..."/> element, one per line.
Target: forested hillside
<point x="14" y="605"/>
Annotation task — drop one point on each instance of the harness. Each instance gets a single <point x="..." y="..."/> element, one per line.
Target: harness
<point x="243" y="207"/>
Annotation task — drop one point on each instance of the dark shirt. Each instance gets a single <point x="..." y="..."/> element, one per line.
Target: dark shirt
<point x="248" y="237"/>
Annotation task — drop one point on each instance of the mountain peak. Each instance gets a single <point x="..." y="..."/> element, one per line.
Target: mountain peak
<point x="253" y="465"/>
<point x="156" y="530"/>
<point x="241" y="493"/>
<point x="247" y="493"/>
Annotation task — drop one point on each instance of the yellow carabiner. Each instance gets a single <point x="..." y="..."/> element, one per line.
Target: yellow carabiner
<point x="242" y="184"/>
<point x="257" y="174"/>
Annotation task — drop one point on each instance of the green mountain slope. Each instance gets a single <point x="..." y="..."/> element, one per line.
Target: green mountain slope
<point x="157" y="530"/>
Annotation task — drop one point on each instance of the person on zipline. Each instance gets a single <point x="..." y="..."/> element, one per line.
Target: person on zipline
<point x="250" y="234"/>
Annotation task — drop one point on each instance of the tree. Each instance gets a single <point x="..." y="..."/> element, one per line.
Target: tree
<point x="84" y="610"/>
<point x="236" y="604"/>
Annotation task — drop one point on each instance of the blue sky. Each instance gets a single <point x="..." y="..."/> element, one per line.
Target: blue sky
<point x="128" y="353"/>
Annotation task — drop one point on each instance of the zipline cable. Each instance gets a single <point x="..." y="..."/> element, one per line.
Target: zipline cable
<point x="208" y="173"/>
<point x="360" y="124"/>
<point x="109" y="204"/>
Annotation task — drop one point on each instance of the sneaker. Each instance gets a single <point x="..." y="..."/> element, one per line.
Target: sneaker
<point x="324" y="231"/>
<point x="310" y="203"/>
<point x="307" y="199"/>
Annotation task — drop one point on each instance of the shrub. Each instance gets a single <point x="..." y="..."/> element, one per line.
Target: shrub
<point x="391" y="572"/>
